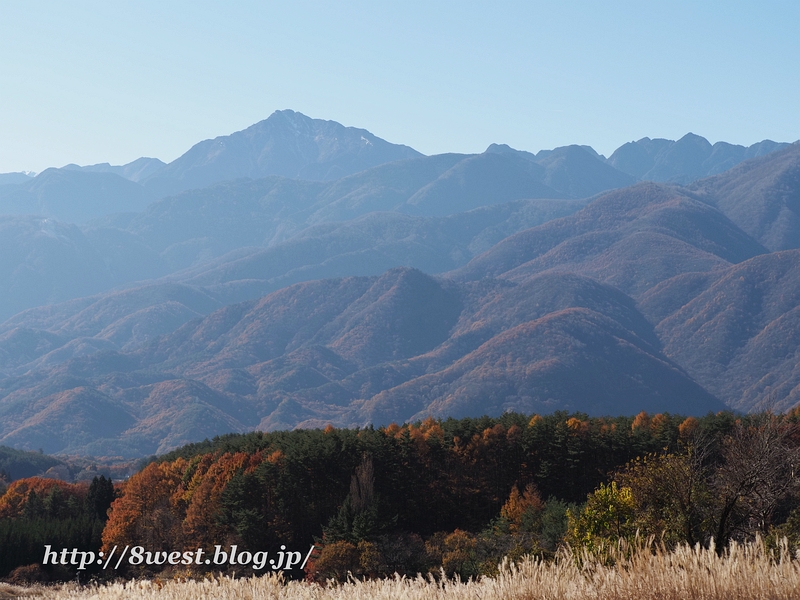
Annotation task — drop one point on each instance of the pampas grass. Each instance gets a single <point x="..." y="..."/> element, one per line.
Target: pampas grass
<point x="746" y="571"/>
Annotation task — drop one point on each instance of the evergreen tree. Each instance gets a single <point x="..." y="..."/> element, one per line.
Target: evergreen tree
<point x="100" y="496"/>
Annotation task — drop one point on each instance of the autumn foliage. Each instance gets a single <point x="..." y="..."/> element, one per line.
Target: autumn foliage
<point x="458" y="495"/>
<point x="13" y="502"/>
<point x="364" y="496"/>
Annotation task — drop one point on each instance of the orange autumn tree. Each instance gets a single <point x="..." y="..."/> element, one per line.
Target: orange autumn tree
<point x="150" y="511"/>
<point x="201" y="527"/>
<point x="12" y="503"/>
<point x="523" y="511"/>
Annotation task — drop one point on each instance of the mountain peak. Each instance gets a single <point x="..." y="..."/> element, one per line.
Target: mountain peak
<point x="688" y="159"/>
<point x="287" y="143"/>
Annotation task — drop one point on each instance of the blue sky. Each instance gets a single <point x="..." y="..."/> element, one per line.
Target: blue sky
<point x="88" y="82"/>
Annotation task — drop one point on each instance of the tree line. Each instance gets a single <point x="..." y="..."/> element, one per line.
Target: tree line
<point x="35" y="512"/>
<point x="460" y="494"/>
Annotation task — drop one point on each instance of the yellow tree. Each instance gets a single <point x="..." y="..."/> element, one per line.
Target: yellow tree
<point x="607" y="517"/>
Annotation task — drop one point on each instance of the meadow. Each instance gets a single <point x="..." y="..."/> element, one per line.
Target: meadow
<point x="743" y="571"/>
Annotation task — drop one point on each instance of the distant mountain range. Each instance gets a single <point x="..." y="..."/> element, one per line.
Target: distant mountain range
<point x="73" y="196"/>
<point x="305" y="273"/>
<point x="291" y="145"/>
<point x="138" y="170"/>
<point x="690" y="158"/>
<point x="15" y="178"/>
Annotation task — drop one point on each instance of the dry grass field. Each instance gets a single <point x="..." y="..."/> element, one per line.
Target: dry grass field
<point x="745" y="572"/>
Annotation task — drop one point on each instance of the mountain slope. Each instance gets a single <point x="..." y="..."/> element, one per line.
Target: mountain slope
<point x="634" y="238"/>
<point x="369" y="245"/>
<point x="43" y="261"/>
<point x="762" y="196"/>
<point x="352" y="350"/>
<point x="115" y="321"/>
<point x="544" y="365"/>
<point x="576" y="171"/>
<point x="14" y="178"/>
<point x="375" y="242"/>
<point x="480" y="180"/>
<point x="740" y="336"/>
<point x="201" y="226"/>
<point x="198" y="225"/>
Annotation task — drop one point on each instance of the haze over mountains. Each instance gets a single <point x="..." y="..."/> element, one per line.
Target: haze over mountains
<point x="289" y="281"/>
<point x="691" y="157"/>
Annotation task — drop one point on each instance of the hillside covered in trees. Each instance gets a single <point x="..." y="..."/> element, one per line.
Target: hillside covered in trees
<point x="458" y="494"/>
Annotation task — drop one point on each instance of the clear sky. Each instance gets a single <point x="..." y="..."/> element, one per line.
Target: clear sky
<point x="109" y="81"/>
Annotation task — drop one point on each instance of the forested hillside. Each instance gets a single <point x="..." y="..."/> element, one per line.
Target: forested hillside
<point x="311" y="274"/>
<point x="454" y="494"/>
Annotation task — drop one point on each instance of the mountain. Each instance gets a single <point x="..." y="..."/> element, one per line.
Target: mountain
<point x="272" y="232"/>
<point x="117" y="320"/>
<point x="403" y="345"/>
<point x="354" y="350"/>
<point x="18" y="464"/>
<point x="14" y="178"/>
<point x="288" y="144"/>
<point x="199" y="225"/>
<point x="577" y="171"/>
<point x="139" y="169"/>
<point x="73" y="196"/>
<point x="43" y="261"/>
<point x="580" y="173"/>
<point x="369" y="245"/>
<point x="762" y="196"/>
<point x="738" y="335"/>
<point x="297" y="299"/>
<point x="691" y="157"/>
<point x="573" y="359"/>
<point x="480" y="180"/>
<point x="375" y="242"/>
<point x="632" y="238"/>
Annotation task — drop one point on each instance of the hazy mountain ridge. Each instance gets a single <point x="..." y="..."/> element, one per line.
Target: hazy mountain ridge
<point x="200" y="225"/>
<point x="241" y="363"/>
<point x="73" y="196"/>
<point x="366" y="246"/>
<point x="116" y="321"/>
<point x="740" y="335"/>
<point x="546" y="318"/>
<point x="14" y="178"/>
<point x="44" y="261"/>
<point x="577" y="171"/>
<point x="761" y="196"/>
<point x="659" y="231"/>
<point x="369" y="245"/>
<point x="136" y="170"/>
<point x="690" y="158"/>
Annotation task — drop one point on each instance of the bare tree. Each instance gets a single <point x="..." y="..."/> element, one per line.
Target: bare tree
<point x="758" y="471"/>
